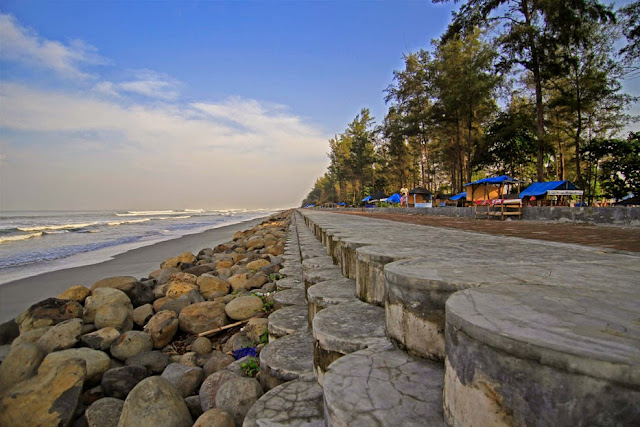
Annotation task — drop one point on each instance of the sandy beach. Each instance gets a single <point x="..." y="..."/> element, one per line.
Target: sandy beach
<point x="18" y="295"/>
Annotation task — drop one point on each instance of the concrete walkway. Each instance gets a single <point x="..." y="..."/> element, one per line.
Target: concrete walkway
<point x="473" y="329"/>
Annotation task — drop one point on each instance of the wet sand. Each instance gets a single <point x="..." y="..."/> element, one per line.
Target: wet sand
<point x="18" y="295"/>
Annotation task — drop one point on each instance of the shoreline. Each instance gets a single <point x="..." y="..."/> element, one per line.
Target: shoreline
<point x="18" y="295"/>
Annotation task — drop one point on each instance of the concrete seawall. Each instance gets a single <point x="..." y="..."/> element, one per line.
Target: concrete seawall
<point x="627" y="216"/>
<point x="418" y="325"/>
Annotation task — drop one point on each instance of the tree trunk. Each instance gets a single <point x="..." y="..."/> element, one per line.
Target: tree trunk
<point x="537" y="78"/>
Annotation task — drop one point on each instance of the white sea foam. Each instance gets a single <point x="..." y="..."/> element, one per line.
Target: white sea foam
<point x="57" y="227"/>
<point x="21" y="237"/>
<point x="194" y="210"/>
<point x="133" y="221"/>
<point x="175" y="217"/>
<point x="148" y="213"/>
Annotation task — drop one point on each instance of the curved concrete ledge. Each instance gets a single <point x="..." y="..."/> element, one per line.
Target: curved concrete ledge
<point x="331" y="292"/>
<point x="293" y="296"/>
<point x="542" y="355"/>
<point x="289" y="283"/>
<point x="287" y="320"/>
<point x="370" y="280"/>
<point x="383" y="386"/>
<point x="285" y="359"/>
<point x="296" y="403"/>
<point x="342" y="329"/>
<point x="312" y="276"/>
<point x="417" y="291"/>
<point x="293" y="271"/>
<point x="317" y="262"/>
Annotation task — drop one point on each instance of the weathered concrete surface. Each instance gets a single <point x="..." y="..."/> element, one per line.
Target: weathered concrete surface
<point x="285" y="298"/>
<point x="342" y="329"/>
<point x="542" y="355"/>
<point x="383" y="386"/>
<point x="289" y="283"/>
<point x="332" y="292"/>
<point x="285" y="359"/>
<point x="287" y="320"/>
<point x="317" y="275"/>
<point x="295" y="403"/>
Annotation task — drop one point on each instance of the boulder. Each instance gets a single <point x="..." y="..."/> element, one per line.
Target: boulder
<point x="200" y="269"/>
<point x="217" y="362"/>
<point x="103" y="296"/>
<point x="202" y="316"/>
<point x="155" y="402"/>
<point x="210" y="387"/>
<point x="209" y="284"/>
<point x="239" y="281"/>
<point x="114" y="315"/>
<point x="131" y="343"/>
<point x="255" y="328"/>
<point x="258" y="264"/>
<point x="186" y="379"/>
<point x="61" y="336"/>
<point x="96" y="362"/>
<point x="183" y="277"/>
<point x="48" y="312"/>
<point x="255" y="242"/>
<point x="237" y="396"/>
<point x="100" y="339"/>
<point x="162" y="276"/>
<point x="277" y="249"/>
<point x="142" y="314"/>
<point x="190" y="358"/>
<point x="20" y="364"/>
<point x="159" y="304"/>
<point x="47" y="399"/>
<point x="104" y="412"/>
<point x="162" y="327"/>
<point x="177" y="289"/>
<point x="237" y="257"/>
<point x="9" y="331"/>
<point x="118" y="382"/>
<point x="225" y="263"/>
<point x="244" y="307"/>
<point x="215" y="417"/>
<point x="154" y="361"/>
<point x="201" y="345"/>
<point x="186" y="257"/>
<point x="75" y="293"/>
<point x="120" y="282"/>
<point x="176" y="305"/>
<point x="31" y="336"/>
<point x="193" y="403"/>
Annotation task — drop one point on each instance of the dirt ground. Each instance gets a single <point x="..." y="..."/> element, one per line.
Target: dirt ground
<point x="604" y="236"/>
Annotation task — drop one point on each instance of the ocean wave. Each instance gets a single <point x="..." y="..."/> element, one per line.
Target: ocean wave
<point x="20" y="237"/>
<point x="194" y="210"/>
<point x="132" y="221"/>
<point x="57" y="227"/>
<point x="148" y="213"/>
<point x="55" y="232"/>
<point x="174" y="217"/>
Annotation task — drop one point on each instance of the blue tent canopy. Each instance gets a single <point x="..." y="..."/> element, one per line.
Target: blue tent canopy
<point x="395" y="198"/>
<point x="502" y="179"/>
<point x="459" y="196"/>
<point x="341" y="204"/>
<point x="366" y="199"/>
<point x="540" y="188"/>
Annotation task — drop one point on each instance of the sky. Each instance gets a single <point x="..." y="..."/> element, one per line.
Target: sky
<point x="145" y="105"/>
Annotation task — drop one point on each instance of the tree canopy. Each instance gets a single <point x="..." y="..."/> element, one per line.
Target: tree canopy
<point x="530" y="88"/>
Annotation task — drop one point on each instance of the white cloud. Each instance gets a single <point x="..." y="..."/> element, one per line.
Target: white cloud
<point x="20" y="44"/>
<point x="152" y="84"/>
<point x="236" y="153"/>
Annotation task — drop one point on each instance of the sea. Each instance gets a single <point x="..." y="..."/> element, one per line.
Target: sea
<point x="35" y="242"/>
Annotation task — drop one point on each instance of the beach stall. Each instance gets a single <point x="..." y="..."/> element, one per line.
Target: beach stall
<point x="552" y="193"/>
<point x="420" y="198"/>
<point x="458" y="200"/>
<point x="494" y="197"/>
<point x="394" y="198"/>
<point x="378" y="197"/>
<point x="441" y="199"/>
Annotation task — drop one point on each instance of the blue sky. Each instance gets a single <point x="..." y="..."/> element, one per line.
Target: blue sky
<point x="156" y="105"/>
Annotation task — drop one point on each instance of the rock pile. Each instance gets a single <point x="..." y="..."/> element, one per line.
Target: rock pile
<point x="176" y="347"/>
